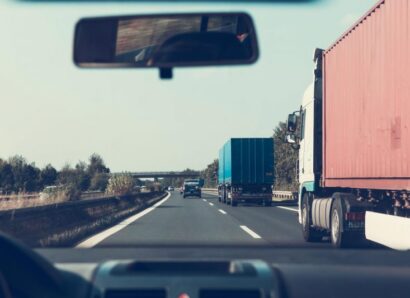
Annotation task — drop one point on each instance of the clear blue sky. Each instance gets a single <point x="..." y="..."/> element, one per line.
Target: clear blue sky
<point x="53" y="112"/>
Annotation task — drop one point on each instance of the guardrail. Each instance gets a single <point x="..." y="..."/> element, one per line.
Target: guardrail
<point x="285" y="195"/>
<point x="276" y="194"/>
<point x="64" y="224"/>
<point x="210" y="189"/>
<point x="84" y="195"/>
<point x="19" y="196"/>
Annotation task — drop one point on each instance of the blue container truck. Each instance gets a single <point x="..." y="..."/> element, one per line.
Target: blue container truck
<point x="246" y="171"/>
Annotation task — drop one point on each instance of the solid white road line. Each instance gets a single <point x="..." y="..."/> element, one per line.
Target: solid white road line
<point x="222" y="211"/>
<point x="288" y="208"/>
<point x="211" y="204"/>
<point x="204" y="200"/>
<point x="94" y="240"/>
<point x="250" y="232"/>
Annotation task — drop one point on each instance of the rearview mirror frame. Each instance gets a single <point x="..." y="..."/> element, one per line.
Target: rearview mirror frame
<point x="110" y="24"/>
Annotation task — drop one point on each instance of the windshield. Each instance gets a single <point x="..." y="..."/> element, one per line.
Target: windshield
<point x="100" y="136"/>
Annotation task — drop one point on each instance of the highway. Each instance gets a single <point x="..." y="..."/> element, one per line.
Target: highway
<point x="205" y="221"/>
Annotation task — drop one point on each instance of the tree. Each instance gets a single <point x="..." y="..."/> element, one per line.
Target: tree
<point x="99" y="181"/>
<point x="286" y="160"/>
<point x="31" y="177"/>
<point x="48" y="176"/>
<point x="6" y="177"/>
<point x="96" y="165"/>
<point x="26" y="176"/>
<point x="82" y="176"/>
<point x="75" y="177"/>
<point x="210" y="174"/>
<point x="18" y="164"/>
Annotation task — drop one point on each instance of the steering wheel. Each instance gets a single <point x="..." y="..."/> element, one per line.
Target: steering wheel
<point x="4" y="288"/>
<point x="24" y="273"/>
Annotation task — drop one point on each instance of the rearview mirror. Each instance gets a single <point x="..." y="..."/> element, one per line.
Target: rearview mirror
<point x="292" y="123"/>
<point x="165" y="41"/>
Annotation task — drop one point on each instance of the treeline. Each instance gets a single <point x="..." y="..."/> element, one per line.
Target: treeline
<point x="18" y="175"/>
<point x="210" y="174"/>
<point x="286" y="160"/>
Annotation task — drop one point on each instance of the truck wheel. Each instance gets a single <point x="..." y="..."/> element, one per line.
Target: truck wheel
<point x="338" y="238"/>
<point x="234" y="203"/>
<point x="184" y="197"/>
<point x="219" y="198"/>
<point x="310" y="234"/>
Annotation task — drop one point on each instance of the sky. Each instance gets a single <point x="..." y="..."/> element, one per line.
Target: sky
<point x="53" y="112"/>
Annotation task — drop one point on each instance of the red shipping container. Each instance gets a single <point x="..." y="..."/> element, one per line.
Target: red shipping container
<point x="366" y="123"/>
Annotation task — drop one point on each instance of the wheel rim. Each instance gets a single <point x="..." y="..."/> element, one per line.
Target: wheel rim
<point x="335" y="226"/>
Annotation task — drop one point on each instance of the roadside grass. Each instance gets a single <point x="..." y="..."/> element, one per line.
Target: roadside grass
<point x="67" y="237"/>
<point x="21" y="200"/>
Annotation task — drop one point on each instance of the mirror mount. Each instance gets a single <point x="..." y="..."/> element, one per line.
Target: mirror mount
<point x="165" y="73"/>
<point x="291" y="139"/>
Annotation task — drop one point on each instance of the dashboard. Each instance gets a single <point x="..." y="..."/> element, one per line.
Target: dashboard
<point x="239" y="278"/>
<point x="201" y="272"/>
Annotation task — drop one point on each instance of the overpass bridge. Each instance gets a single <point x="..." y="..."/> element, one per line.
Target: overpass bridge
<point x="170" y="174"/>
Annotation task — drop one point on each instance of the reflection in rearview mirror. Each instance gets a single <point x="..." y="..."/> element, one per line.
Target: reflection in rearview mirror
<point x="165" y="41"/>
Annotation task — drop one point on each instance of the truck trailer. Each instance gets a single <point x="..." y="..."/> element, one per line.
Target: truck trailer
<point x="353" y="134"/>
<point x="246" y="171"/>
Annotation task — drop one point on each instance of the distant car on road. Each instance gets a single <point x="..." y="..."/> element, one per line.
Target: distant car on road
<point x="192" y="187"/>
<point x="170" y="188"/>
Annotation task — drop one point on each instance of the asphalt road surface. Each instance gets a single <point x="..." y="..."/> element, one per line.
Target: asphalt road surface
<point x="178" y="221"/>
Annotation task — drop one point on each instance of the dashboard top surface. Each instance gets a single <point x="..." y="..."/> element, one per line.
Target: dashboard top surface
<point x="365" y="257"/>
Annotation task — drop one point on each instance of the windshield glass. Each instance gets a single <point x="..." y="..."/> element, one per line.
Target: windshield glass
<point x="94" y="137"/>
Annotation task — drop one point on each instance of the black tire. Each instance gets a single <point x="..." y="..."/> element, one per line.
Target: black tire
<point x="234" y="203"/>
<point x="184" y="197"/>
<point x="310" y="234"/>
<point x="338" y="238"/>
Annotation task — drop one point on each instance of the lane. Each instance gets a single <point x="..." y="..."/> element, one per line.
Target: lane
<point x="178" y="221"/>
<point x="275" y="225"/>
<point x="99" y="237"/>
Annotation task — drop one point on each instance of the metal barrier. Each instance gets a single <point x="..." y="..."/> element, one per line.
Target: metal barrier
<point x="278" y="194"/>
<point x="285" y="195"/>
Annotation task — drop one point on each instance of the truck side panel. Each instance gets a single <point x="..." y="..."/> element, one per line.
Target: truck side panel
<point x="228" y="162"/>
<point x="366" y="102"/>
<point x="248" y="161"/>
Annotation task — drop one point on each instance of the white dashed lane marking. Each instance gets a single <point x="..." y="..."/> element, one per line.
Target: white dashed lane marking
<point x="250" y="232"/>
